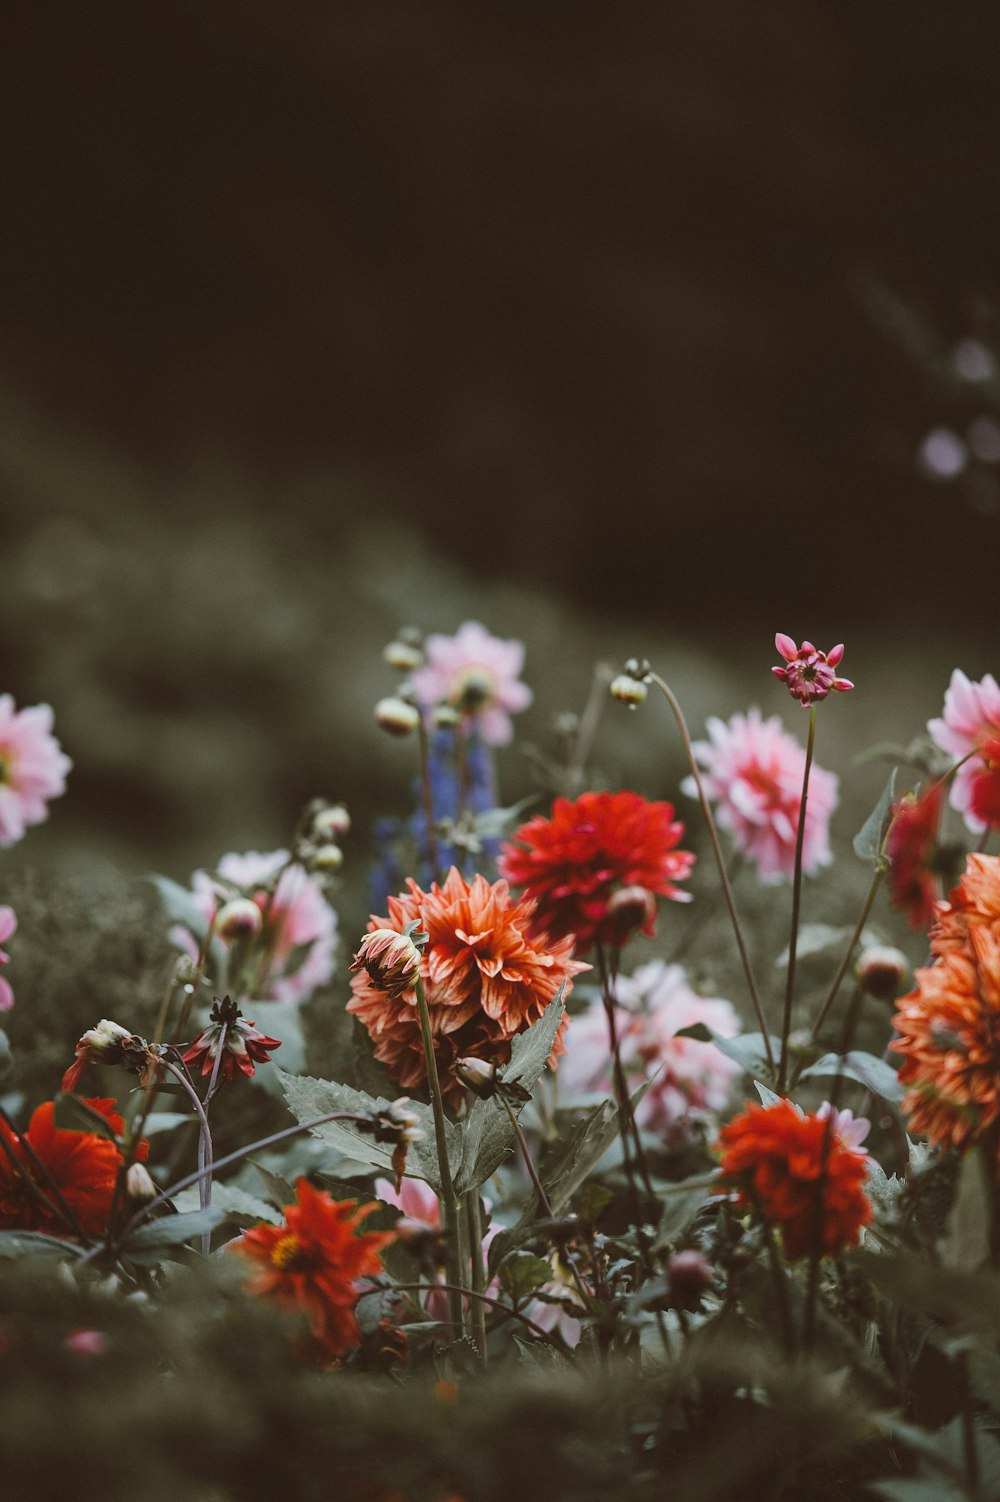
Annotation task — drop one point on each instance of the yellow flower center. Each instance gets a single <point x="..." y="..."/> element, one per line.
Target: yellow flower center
<point x="286" y="1252"/>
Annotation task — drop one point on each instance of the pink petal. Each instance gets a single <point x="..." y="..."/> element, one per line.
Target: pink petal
<point x="786" y="647"/>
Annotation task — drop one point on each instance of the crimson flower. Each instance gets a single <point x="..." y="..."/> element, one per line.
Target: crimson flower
<point x="83" y="1167"/>
<point x="587" y="866"/>
<point x="244" y="1046"/>
<point x="911" y="846"/>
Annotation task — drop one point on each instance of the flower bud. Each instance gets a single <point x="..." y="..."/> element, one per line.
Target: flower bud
<point x="628" y="690"/>
<point x="332" y="823"/>
<point x="445" y="717"/>
<point x="476" y="1075"/>
<point x="103" y="1044"/>
<point x="689" y="1276"/>
<point x="628" y="909"/>
<point x="328" y="857"/>
<point x="238" y="919"/>
<point x="139" y="1186"/>
<point x="403" y="655"/>
<point x="396" y="716"/>
<point x="881" y="970"/>
<point x="391" y="959"/>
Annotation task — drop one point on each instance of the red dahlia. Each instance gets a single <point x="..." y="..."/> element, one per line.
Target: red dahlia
<point x="575" y="864"/>
<point x="911" y="846"/>
<point x="83" y="1166"/>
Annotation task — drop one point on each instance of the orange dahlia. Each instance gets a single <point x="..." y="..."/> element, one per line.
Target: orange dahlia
<point x="576" y="863"/>
<point x="313" y="1261"/>
<point x="486" y="977"/>
<point x="949" y="1025"/>
<point x="799" y="1175"/>
<point x="83" y="1167"/>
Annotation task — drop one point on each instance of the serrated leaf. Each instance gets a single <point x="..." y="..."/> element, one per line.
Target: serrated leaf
<point x="966" y="1242"/>
<point x="880" y="1077"/>
<point x="35" y="1243"/>
<point x="682" y="1201"/>
<point x="767" y="1097"/>
<point x="151" y="1241"/>
<point x="867" y="843"/>
<point x="308" y="1098"/>
<point x="280" y="1190"/>
<point x="522" y="1273"/>
<point x="240" y="1205"/>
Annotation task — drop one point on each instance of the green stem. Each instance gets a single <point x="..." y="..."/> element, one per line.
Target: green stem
<point x="477" y="1281"/>
<point x="793" y="942"/>
<point x="831" y="997"/>
<point x="721" y="864"/>
<point x="449" y="1202"/>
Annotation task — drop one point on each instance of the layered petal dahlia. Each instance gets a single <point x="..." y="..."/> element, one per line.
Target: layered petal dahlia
<point x="32" y="767"/>
<point x="971" y="724"/>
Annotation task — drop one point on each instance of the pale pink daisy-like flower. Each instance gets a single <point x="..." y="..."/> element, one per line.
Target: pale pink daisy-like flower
<point x="8" y="927"/>
<point x="971" y="724"/>
<point x="808" y="673"/>
<point x="655" y="1003"/>
<point x="752" y="772"/>
<point x="298" y="937"/>
<point x="32" y="767"/>
<point x="852" y="1130"/>
<point x="555" y="1313"/>
<point x="477" y="674"/>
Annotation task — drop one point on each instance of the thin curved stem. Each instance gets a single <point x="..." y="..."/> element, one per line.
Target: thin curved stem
<point x="449" y="1202"/>
<point x="859" y="929"/>
<point x="486" y="1298"/>
<point x="793" y="942"/>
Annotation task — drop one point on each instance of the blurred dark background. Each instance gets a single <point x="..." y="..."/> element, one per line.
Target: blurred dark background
<point x="616" y="326"/>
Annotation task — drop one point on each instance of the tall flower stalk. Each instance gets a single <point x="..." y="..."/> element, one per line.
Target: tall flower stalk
<point x="793" y="942"/>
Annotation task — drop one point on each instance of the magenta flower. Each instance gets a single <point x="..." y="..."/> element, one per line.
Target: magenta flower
<point x="752" y="772"/>
<point x="971" y="724"/>
<point x="32" y="767"/>
<point x="477" y="674"/>
<point x="8" y="926"/>
<point x="809" y="673"/>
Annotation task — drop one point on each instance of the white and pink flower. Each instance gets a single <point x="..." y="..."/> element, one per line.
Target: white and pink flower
<point x="32" y="767"/>
<point x="852" y="1130"/>
<point x="477" y="674"/>
<point x="752" y="772"/>
<point x="8" y="927"/>
<point x="970" y="727"/>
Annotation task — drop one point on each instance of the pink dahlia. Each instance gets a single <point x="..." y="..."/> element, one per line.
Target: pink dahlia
<point x="971" y="724"/>
<point x="32" y="767"/>
<point x="808" y="673"/>
<point x="752" y="773"/>
<point x="8" y="926"/>
<point x="477" y="674"/>
<point x="293" y="952"/>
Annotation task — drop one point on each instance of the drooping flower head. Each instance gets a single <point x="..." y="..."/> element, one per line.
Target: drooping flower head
<point x="776" y="1157"/>
<point x="911" y="846"/>
<point x="809" y="674"/>
<point x="971" y="724"/>
<point x="32" y="767"/>
<point x="478" y="675"/>
<point x="949" y="1025"/>
<point x="292" y="953"/>
<point x="83" y="1166"/>
<point x="752" y="772"/>
<point x="8" y="927"/>
<point x="314" y="1262"/>
<point x="486" y="976"/>
<point x="574" y="864"/>
<point x="104" y="1044"/>
<point x="691" y="1077"/>
<point x="242" y="1042"/>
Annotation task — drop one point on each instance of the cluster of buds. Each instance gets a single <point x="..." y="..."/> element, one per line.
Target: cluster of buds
<point x="399" y="1124"/>
<point x="243" y="1044"/>
<point x="391" y="958"/>
<point x="108" y="1043"/>
<point x="486" y="1080"/>
<point x="406" y="651"/>
<point x="808" y="673"/>
<point x="629" y="686"/>
<point x="317" y="838"/>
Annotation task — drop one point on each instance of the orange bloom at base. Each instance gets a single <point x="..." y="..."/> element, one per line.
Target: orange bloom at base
<point x="776" y="1157"/>
<point x="313" y="1262"/>
<point x="485" y="975"/>
<point x="82" y="1165"/>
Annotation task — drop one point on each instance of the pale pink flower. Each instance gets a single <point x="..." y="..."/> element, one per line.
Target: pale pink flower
<point x="422" y="1212"/>
<point x="32" y="767"/>
<point x="752" y="772"/>
<point x="852" y="1130"/>
<point x="479" y="675"/>
<point x="808" y="673"/>
<point x="8" y="926"/>
<point x="971" y="723"/>
<point x="655" y="1003"/>
<point x="558" y="1318"/>
<point x="299" y="932"/>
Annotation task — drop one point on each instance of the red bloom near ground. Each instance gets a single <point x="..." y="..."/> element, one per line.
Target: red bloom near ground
<point x="486" y="977"/>
<point x="949" y="1025"/>
<point x="777" y="1158"/>
<point x="313" y="1263"/>
<point x="83" y="1166"/>
<point x="574" y="863"/>
<point x="911" y="847"/>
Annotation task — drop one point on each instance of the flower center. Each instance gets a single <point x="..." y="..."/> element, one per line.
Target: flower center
<point x="287" y="1253"/>
<point x="473" y="687"/>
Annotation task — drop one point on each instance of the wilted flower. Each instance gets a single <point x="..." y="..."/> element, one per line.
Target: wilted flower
<point x="486" y="978"/>
<point x="477" y="674"/>
<point x="243" y="1044"/>
<point x="390" y="959"/>
<point x="32" y="767"/>
<point x="314" y="1261"/>
<point x="808" y="673"/>
<point x="752" y="771"/>
<point x="799" y="1176"/>
<point x="103" y="1044"/>
<point x="573" y="863"/>
<point x="8" y="927"/>
<point x="400" y="1125"/>
<point x="971" y="724"/>
<point x="911" y="847"/>
<point x="83" y="1166"/>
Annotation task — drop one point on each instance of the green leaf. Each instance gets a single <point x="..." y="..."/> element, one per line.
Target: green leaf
<point x="870" y="837"/>
<point x="682" y="1201"/>
<point x="150" y="1241"/>
<point x="281" y="1191"/>
<point x="880" y="1077"/>
<point x="494" y="822"/>
<point x="281" y="1020"/>
<point x="308" y="1098"/>
<point x="767" y="1097"/>
<point x="522" y="1273"/>
<point x="180" y="905"/>
<point x="489" y="1137"/>
<point x="165" y="1121"/>
<point x="35" y="1243"/>
<point x="241" y="1206"/>
<point x="966" y="1242"/>
<point x="746" y="1048"/>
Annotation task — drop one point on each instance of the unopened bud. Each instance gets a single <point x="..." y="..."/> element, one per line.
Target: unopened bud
<point x="332" y="823"/>
<point x="238" y="919"/>
<point x="327" y="858"/>
<point x="403" y="655"/>
<point x="139" y="1186"/>
<point x="689" y="1276"/>
<point x="628" y="909"/>
<point x="881" y="970"/>
<point x="391" y="959"/>
<point x="638" y="667"/>
<point x="445" y="717"/>
<point x="628" y="690"/>
<point x="396" y="716"/>
<point x="476" y="1075"/>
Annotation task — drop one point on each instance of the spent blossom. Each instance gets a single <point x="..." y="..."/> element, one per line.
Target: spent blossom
<point x="8" y="927"/>
<point x="32" y="767"/>
<point x="478" y="675"/>
<point x="970" y="728"/>
<point x="104" y="1044"/>
<point x="808" y="673"/>
<point x="243" y="1044"/>
<point x="752" y="771"/>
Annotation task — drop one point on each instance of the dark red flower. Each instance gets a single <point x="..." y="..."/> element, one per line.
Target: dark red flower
<point x="911" y="847"/>
<point x="244" y="1045"/>
<point x="83" y="1166"/>
<point x="575" y="864"/>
